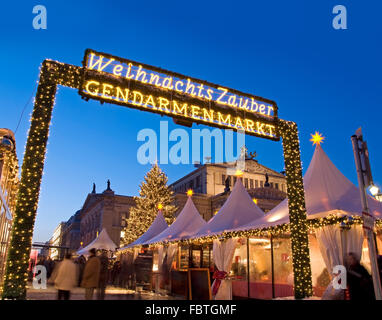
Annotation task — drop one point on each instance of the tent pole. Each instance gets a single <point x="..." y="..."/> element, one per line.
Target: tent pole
<point x="248" y="274"/>
<point x="190" y="256"/>
<point x="367" y="225"/>
<point x="272" y="269"/>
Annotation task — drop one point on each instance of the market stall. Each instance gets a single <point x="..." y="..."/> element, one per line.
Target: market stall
<point x="238" y="210"/>
<point x="140" y="270"/>
<point x="334" y="212"/>
<point x="169" y="259"/>
<point x="102" y="242"/>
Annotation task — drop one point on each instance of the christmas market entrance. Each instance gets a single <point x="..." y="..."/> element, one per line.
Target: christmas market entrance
<point x="187" y="100"/>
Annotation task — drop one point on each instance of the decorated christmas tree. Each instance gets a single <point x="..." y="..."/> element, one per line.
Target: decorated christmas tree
<point x="153" y="191"/>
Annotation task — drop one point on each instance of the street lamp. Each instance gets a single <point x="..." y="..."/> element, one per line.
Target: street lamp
<point x="378" y="197"/>
<point x="374" y="190"/>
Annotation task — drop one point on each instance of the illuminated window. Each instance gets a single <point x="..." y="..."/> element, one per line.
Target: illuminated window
<point x="124" y="217"/>
<point x="261" y="184"/>
<point x="246" y="183"/>
<point x="256" y="184"/>
<point x="251" y="183"/>
<point x="223" y="179"/>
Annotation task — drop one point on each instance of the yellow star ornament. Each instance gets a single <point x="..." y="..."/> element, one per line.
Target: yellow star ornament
<point x="317" y="138"/>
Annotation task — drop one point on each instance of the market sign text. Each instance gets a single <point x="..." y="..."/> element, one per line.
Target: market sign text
<point x="120" y="81"/>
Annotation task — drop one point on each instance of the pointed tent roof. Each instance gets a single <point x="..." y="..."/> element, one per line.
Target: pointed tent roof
<point x="238" y="210"/>
<point x="156" y="228"/>
<point x="103" y="242"/>
<point x="187" y="222"/>
<point x="327" y="191"/>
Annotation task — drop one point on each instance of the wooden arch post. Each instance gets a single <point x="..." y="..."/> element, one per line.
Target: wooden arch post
<point x="297" y="212"/>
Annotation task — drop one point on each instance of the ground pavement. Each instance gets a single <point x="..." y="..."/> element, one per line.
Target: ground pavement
<point x="112" y="293"/>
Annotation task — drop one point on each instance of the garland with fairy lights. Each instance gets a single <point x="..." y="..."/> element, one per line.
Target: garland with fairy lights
<point x="274" y="231"/>
<point x="10" y="163"/>
<point x="56" y="73"/>
<point x="16" y="275"/>
<point x="297" y="212"/>
<point x="10" y="174"/>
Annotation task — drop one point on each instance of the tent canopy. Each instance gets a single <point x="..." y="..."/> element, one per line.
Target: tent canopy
<point x="187" y="222"/>
<point x="327" y="191"/>
<point x="238" y="210"/>
<point x="102" y="242"/>
<point x="156" y="227"/>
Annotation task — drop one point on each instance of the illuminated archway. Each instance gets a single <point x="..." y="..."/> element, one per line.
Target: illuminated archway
<point x="116" y="88"/>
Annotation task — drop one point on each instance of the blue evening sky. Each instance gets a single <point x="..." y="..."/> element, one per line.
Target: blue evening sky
<point x="324" y="79"/>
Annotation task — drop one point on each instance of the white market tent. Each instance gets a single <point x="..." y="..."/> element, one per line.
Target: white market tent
<point x="187" y="222"/>
<point x="327" y="191"/>
<point x="238" y="210"/>
<point x="156" y="228"/>
<point x="102" y="242"/>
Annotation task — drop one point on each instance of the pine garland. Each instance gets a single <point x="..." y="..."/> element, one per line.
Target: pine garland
<point x="16" y="275"/>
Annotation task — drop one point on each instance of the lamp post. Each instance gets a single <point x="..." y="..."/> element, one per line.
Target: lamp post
<point x="361" y="157"/>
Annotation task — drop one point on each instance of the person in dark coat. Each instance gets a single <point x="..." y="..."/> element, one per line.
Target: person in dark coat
<point x="103" y="275"/>
<point x="359" y="281"/>
<point x="80" y="261"/>
<point x="48" y="263"/>
<point x="90" y="277"/>
<point x="115" y="272"/>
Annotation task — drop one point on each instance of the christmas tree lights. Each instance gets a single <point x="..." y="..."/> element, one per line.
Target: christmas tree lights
<point x="154" y="194"/>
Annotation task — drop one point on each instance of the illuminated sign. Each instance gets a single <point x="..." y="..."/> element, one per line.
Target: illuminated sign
<point x="125" y="82"/>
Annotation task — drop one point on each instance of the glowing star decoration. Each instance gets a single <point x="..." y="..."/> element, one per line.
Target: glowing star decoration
<point x="317" y="138"/>
<point x="190" y="192"/>
<point x="254" y="200"/>
<point x="239" y="173"/>
<point x="160" y="206"/>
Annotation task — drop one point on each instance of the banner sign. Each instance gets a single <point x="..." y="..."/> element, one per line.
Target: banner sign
<point x="125" y="82"/>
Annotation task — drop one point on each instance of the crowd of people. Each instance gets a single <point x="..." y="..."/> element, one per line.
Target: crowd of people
<point x="97" y="271"/>
<point x="93" y="274"/>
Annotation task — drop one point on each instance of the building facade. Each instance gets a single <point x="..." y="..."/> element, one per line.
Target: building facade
<point x="209" y="183"/>
<point x="9" y="182"/>
<point x="56" y="253"/>
<point x="71" y="235"/>
<point x="104" y="210"/>
<point x="210" y="179"/>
